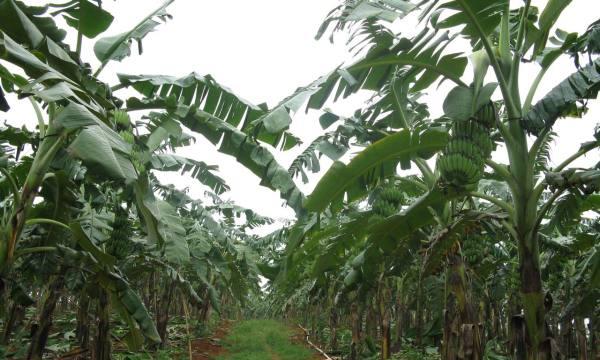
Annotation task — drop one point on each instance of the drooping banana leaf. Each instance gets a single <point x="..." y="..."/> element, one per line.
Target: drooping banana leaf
<point x="206" y="107"/>
<point x="562" y="100"/>
<point x="365" y="10"/>
<point x="24" y="30"/>
<point x="118" y="47"/>
<point x="88" y="18"/>
<point x="199" y="170"/>
<point x="173" y="234"/>
<point x="474" y="15"/>
<point x="207" y="95"/>
<point x="26" y="23"/>
<point x="109" y="278"/>
<point x="162" y="224"/>
<point x="421" y="59"/>
<point x="379" y="159"/>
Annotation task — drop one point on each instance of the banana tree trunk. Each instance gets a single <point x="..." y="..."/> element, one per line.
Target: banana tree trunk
<point x="15" y="318"/>
<point x="103" y="346"/>
<point x="495" y="322"/>
<point x="317" y="328"/>
<point x="582" y="348"/>
<point x="371" y="322"/>
<point x="451" y="330"/>
<point x="356" y="318"/>
<point x="565" y="337"/>
<point x="384" y="296"/>
<point x="419" y="314"/>
<point x="333" y="325"/>
<point x="538" y="340"/>
<point x="82" y="331"/>
<point x="400" y="319"/>
<point x="470" y="345"/>
<point x="41" y="330"/>
<point x="163" y="312"/>
<point x="594" y="338"/>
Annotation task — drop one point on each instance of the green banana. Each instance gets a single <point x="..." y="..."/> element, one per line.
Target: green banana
<point x="122" y="119"/>
<point x="119" y="243"/>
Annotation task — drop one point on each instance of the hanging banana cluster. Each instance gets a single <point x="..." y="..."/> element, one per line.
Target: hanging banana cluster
<point x="463" y="160"/>
<point x="119" y="243"/>
<point x="387" y="201"/>
<point x="473" y="251"/>
<point x="123" y="124"/>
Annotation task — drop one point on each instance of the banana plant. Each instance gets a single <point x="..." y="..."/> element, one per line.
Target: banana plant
<point x="84" y="138"/>
<point x="502" y="38"/>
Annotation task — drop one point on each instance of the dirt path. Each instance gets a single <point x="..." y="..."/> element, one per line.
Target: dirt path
<point x="214" y="346"/>
<point x="210" y="347"/>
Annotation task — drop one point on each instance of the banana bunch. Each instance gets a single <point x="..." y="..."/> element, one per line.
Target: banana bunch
<point x="119" y="243"/>
<point x="121" y="119"/>
<point x="123" y="124"/>
<point x="392" y="195"/>
<point x="387" y="201"/>
<point x="463" y="160"/>
<point x="473" y="251"/>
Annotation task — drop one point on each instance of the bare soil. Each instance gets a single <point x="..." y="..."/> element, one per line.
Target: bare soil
<point x="210" y="347"/>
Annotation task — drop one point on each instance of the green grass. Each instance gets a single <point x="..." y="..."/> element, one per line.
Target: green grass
<point x="262" y="340"/>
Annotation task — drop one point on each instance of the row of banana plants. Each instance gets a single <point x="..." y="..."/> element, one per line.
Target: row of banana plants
<point x="86" y="227"/>
<point x="424" y="239"/>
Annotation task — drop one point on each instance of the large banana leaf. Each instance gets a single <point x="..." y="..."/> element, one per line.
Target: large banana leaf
<point x="21" y="23"/>
<point x="162" y="224"/>
<point x="365" y="10"/>
<point x="131" y="302"/>
<point x="562" y="100"/>
<point x="109" y="278"/>
<point x="97" y="144"/>
<point x="379" y="159"/>
<point x="421" y="59"/>
<point x="173" y="234"/>
<point x="206" y="94"/>
<point x="88" y="18"/>
<point x="88" y="245"/>
<point x="199" y="170"/>
<point x="206" y="107"/>
<point x="474" y="15"/>
<point x="548" y="18"/>
<point x="34" y="33"/>
<point x="4" y="107"/>
<point x="118" y="47"/>
<point x="231" y="211"/>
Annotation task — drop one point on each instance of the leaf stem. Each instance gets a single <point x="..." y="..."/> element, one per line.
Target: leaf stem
<point x="33" y="250"/>
<point x="13" y="185"/>
<point x="501" y="171"/>
<point x="514" y="70"/>
<point x="39" y="116"/>
<point x="500" y="203"/>
<point x="577" y="155"/>
<point x="546" y="207"/>
<point x="46" y="221"/>
<point x="533" y="89"/>
<point x="513" y="111"/>
<point x="537" y="191"/>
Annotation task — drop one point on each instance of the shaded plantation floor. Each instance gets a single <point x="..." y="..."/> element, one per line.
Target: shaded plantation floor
<point x="253" y="340"/>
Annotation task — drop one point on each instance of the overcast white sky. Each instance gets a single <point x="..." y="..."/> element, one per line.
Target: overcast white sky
<point x="263" y="50"/>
